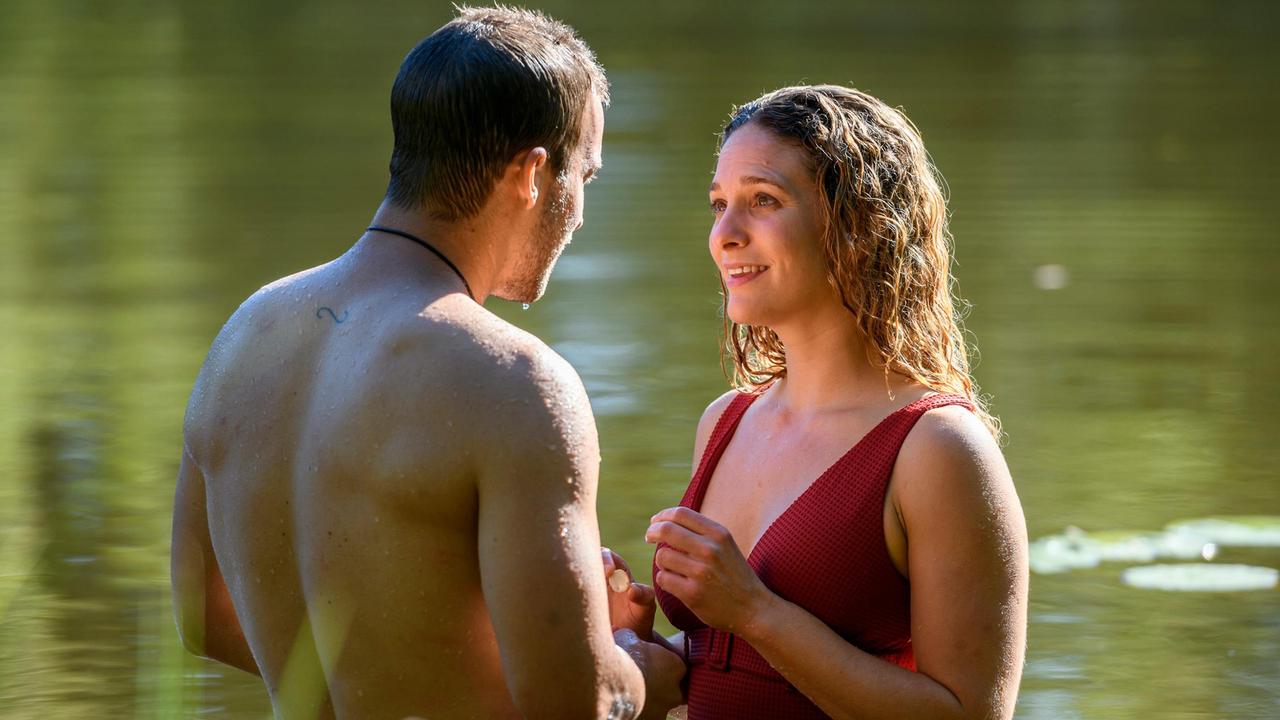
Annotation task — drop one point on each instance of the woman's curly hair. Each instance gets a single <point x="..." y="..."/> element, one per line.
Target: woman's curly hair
<point x="886" y="241"/>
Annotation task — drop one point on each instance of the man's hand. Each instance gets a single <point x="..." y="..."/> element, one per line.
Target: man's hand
<point x="663" y="673"/>
<point x="633" y="607"/>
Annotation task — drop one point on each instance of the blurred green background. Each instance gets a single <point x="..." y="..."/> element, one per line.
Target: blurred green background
<point x="1113" y="173"/>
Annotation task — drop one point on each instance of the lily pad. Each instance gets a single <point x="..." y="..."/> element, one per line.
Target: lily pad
<point x="1059" y="553"/>
<point x="1130" y="546"/>
<point x="1232" y="531"/>
<point x="1074" y="548"/>
<point x="1198" y="577"/>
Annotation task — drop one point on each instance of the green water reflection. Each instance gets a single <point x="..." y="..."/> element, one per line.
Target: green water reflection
<point x="160" y="161"/>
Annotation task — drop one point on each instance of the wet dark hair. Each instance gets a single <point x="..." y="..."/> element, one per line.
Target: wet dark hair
<point x="475" y="93"/>
<point x="885" y="238"/>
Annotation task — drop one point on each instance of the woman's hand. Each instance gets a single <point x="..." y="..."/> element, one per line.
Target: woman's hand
<point x="633" y="608"/>
<point x="700" y="564"/>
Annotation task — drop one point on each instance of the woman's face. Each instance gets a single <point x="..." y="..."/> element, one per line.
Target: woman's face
<point x="766" y="237"/>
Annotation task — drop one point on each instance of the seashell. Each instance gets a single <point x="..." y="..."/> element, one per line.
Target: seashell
<point x="618" y="580"/>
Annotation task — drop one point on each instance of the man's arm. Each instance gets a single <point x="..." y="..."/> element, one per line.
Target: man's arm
<point x="539" y="551"/>
<point x="207" y="621"/>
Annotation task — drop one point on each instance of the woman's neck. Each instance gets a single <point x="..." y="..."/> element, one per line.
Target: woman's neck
<point x="828" y="367"/>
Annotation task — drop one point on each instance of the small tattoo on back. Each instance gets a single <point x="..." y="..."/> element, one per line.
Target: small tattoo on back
<point x="337" y="320"/>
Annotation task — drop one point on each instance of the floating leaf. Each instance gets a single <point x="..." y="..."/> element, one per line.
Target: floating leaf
<point x="1200" y="577"/>
<point x="1237" y="531"/>
<point x="1068" y="551"/>
<point x="1075" y="548"/>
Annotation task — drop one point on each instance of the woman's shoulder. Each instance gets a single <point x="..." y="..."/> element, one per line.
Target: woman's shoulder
<point x="707" y="423"/>
<point x="950" y="450"/>
<point x="716" y="408"/>
<point x="948" y="433"/>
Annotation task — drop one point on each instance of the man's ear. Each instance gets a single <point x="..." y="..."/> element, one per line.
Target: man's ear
<point x="527" y="175"/>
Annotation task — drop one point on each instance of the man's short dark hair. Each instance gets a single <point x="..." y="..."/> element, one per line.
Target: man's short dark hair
<point x="489" y="84"/>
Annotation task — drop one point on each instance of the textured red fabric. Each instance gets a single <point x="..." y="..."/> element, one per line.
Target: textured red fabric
<point x="825" y="553"/>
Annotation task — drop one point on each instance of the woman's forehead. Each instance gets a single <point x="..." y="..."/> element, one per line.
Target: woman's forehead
<point x="754" y="151"/>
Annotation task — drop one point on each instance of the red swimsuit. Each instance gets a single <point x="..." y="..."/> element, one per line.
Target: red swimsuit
<point x="825" y="553"/>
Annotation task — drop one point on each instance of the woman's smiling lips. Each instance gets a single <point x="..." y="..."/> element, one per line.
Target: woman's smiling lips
<point x="740" y="273"/>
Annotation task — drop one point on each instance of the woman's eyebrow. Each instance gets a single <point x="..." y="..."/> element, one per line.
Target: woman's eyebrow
<point x="757" y="180"/>
<point x="753" y="180"/>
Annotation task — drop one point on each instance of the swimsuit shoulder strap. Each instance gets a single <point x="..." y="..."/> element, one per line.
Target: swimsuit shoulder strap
<point x="719" y="440"/>
<point x="886" y="439"/>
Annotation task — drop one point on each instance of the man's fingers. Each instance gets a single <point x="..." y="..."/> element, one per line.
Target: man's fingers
<point x="612" y="561"/>
<point x="641" y="594"/>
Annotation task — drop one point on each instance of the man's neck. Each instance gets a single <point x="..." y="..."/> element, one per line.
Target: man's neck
<point x="466" y="243"/>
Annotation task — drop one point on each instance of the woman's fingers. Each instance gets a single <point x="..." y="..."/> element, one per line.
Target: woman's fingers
<point x="691" y="519"/>
<point x="674" y="583"/>
<point x="678" y="537"/>
<point x="677" y="562"/>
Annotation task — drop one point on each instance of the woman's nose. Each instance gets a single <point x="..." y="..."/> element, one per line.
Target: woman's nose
<point x="728" y="231"/>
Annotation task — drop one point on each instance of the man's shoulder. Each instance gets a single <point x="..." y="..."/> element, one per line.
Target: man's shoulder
<point x="244" y="348"/>
<point x="516" y="400"/>
<point x="257" y="313"/>
<point x="490" y="356"/>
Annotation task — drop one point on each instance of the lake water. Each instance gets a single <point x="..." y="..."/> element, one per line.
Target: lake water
<point x="1112" y="170"/>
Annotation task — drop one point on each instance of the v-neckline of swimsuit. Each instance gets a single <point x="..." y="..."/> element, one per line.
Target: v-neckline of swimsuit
<point x="825" y="552"/>
<point x="710" y="462"/>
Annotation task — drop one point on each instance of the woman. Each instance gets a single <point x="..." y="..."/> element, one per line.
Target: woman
<point x="895" y="583"/>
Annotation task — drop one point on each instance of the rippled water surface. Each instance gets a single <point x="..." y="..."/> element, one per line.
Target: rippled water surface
<point x="1113" y="177"/>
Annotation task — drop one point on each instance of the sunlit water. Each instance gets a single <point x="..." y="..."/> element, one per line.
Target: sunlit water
<point x="1112" y="174"/>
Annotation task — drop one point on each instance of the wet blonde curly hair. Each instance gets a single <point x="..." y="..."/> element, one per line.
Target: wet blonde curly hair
<point x="886" y="241"/>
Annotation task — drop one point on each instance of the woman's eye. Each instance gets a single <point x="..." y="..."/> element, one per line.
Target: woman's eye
<point x="765" y="201"/>
<point x="717" y="206"/>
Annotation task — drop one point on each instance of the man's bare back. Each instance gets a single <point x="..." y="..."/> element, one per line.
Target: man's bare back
<point x="334" y="424"/>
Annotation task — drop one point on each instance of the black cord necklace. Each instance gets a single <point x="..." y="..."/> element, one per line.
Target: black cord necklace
<point x="429" y="246"/>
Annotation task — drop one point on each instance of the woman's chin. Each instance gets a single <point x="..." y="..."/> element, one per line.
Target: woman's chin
<point x="744" y="314"/>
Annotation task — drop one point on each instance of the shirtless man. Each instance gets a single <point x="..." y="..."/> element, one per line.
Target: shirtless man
<point x="386" y="501"/>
